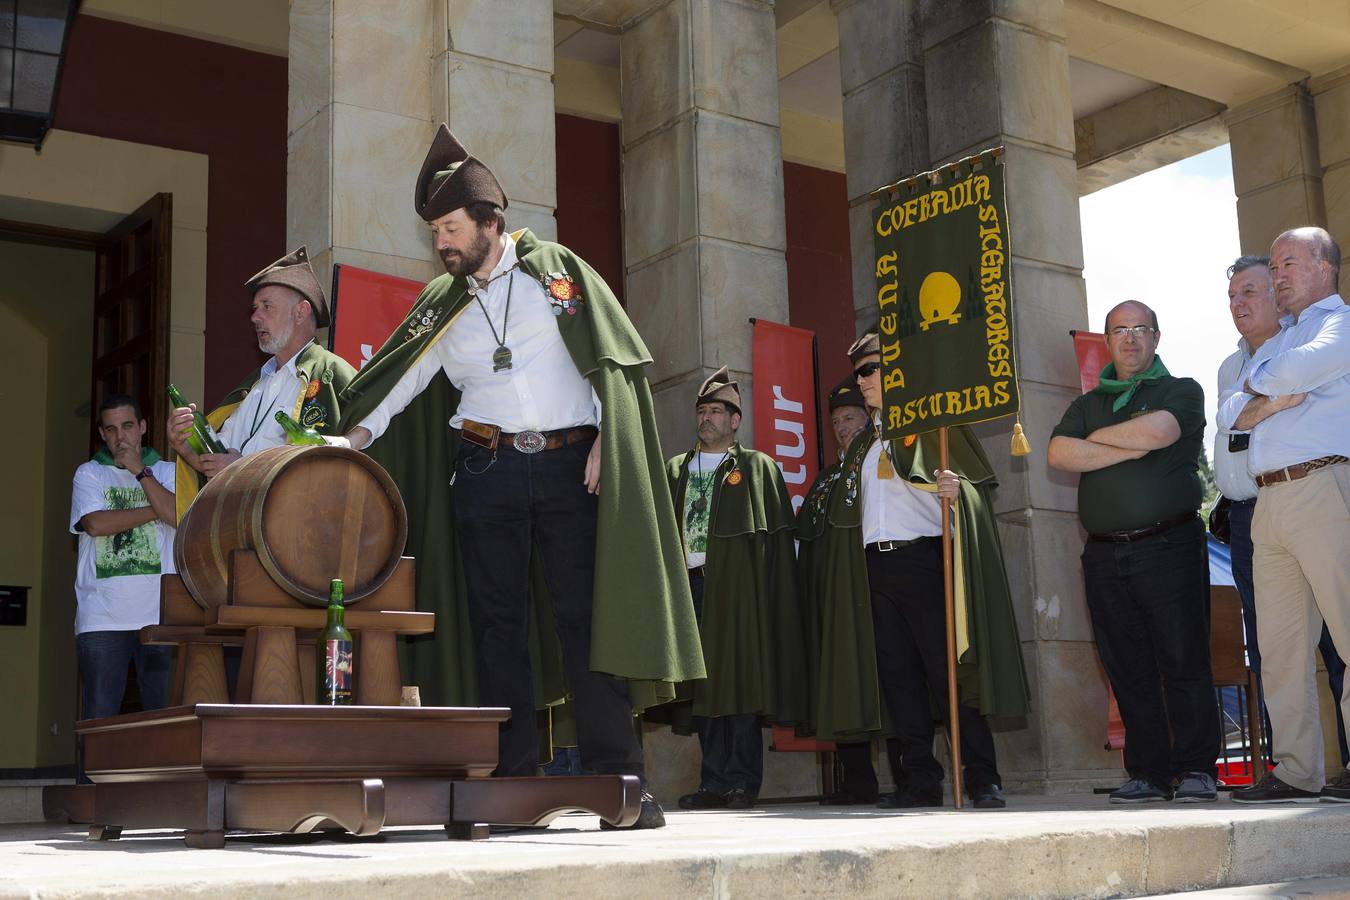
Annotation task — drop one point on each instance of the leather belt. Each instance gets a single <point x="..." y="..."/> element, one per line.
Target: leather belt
<point x="1301" y="470"/>
<point x="492" y="437"/>
<point x="888" y="546"/>
<point x="1125" y="537"/>
<point x="696" y="570"/>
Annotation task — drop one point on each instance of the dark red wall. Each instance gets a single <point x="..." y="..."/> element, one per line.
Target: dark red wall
<point x="590" y="209"/>
<point x="820" y="280"/>
<point x="153" y="87"/>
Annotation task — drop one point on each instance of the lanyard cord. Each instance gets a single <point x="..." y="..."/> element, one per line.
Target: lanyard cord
<point x="260" y="414"/>
<point x="477" y="296"/>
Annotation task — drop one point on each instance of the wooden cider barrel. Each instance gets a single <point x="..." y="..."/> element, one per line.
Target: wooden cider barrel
<point x="311" y="514"/>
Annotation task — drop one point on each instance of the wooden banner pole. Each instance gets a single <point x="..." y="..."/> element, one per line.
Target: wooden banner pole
<point x="949" y="601"/>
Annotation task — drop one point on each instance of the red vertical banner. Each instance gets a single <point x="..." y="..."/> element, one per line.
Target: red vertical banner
<point x="783" y="368"/>
<point x="367" y="307"/>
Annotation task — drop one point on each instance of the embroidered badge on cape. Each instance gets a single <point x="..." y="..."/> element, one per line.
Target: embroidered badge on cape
<point x="909" y="441"/>
<point x="312" y="390"/>
<point x="562" y="292"/>
<point x="734" y="477"/>
<point x="423" y="324"/>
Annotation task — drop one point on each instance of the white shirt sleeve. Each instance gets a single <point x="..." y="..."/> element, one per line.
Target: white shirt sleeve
<point x="599" y="409"/>
<point x="1232" y="400"/>
<point x="413" y="382"/>
<point x="86" y="496"/>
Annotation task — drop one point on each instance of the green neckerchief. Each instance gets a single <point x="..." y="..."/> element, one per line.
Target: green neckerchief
<point x="1109" y="384"/>
<point x="148" y="457"/>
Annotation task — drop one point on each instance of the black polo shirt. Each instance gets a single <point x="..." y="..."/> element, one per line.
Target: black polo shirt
<point x="1163" y="484"/>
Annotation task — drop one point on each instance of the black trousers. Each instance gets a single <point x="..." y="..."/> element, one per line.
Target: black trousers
<point x="732" y="746"/>
<point x="505" y="508"/>
<point x="910" y="622"/>
<point x="859" y="775"/>
<point x="1149" y="601"/>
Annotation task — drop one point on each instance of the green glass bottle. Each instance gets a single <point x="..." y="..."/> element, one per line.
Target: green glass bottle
<point x="335" y="683"/>
<point x="297" y="434"/>
<point x="202" y="438"/>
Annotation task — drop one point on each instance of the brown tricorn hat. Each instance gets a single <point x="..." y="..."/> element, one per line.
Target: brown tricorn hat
<point x="719" y="387"/>
<point x="846" y="393"/>
<point x="864" y="346"/>
<point x="294" y="271"/>
<point x="451" y="179"/>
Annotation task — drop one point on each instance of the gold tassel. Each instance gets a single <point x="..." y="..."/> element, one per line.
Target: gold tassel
<point x="1020" y="447"/>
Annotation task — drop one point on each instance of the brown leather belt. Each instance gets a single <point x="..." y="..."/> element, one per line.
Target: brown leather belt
<point x="1302" y="470"/>
<point x="888" y="546"/>
<point x="1125" y="537"/>
<point x="492" y="437"/>
<point x="696" y="570"/>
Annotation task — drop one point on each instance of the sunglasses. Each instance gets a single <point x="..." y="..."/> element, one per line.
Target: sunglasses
<point x="867" y="370"/>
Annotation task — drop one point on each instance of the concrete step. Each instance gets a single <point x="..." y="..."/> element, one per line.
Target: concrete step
<point x="1323" y="888"/>
<point x="1075" y="846"/>
<point x="21" y="799"/>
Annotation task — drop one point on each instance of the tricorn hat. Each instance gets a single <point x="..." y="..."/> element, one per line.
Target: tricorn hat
<point x="719" y="387"/>
<point x="451" y="179"/>
<point x="294" y="271"/>
<point x="866" y="345"/>
<point x="846" y="393"/>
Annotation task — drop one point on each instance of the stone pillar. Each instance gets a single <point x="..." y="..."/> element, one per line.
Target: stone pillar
<point x="1331" y="101"/>
<point x="1276" y="170"/>
<point x="704" y="233"/>
<point x="998" y="73"/>
<point x="369" y="83"/>
<point x="885" y="120"/>
<point x="704" y="241"/>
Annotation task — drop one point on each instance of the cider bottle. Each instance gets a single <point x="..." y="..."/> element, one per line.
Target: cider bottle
<point x="202" y="438"/>
<point x="334" y="686"/>
<point x="297" y="434"/>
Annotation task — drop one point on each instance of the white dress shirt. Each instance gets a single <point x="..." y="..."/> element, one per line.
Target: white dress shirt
<point x="1230" y="469"/>
<point x="1310" y="356"/>
<point x="253" y="426"/>
<point x="542" y="391"/>
<point x="892" y="508"/>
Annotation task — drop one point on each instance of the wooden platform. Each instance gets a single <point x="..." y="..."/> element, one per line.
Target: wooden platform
<point x="210" y="768"/>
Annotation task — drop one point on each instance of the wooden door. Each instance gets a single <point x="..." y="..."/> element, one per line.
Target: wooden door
<point x="131" y="314"/>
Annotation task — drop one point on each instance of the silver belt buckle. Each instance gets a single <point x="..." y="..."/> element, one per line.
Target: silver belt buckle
<point x="529" y="441"/>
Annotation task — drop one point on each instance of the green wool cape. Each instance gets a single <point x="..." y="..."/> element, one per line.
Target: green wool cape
<point x="752" y="628"/>
<point x="990" y="672"/>
<point x="642" y="627"/>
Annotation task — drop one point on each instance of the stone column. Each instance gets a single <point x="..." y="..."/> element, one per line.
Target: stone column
<point x="704" y="233"/>
<point x="885" y="120"/>
<point x="704" y="241"/>
<point x="1331" y="101"/>
<point x="1276" y="170"/>
<point x="369" y="83"/>
<point x="998" y="73"/>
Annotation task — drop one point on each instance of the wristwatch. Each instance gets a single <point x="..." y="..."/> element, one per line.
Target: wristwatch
<point x="144" y="473"/>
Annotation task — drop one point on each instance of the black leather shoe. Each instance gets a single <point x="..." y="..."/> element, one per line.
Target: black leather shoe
<point x="988" y="796"/>
<point x="1338" y="790"/>
<point x="846" y="798"/>
<point x="911" y="797"/>
<point x="1272" y="790"/>
<point x="738" y="799"/>
<point x="652" y="816"/>
<point x="703" y="799"/>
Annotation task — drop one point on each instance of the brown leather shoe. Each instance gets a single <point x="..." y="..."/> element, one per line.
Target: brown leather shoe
<point x="652" y="816"/>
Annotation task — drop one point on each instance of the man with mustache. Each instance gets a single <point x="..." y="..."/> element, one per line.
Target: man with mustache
<point x="1295" y="401"/>
<point x="737" y="525"/>
<point x="301" y="379"/>
<point x="122" y="508"/>
<point x="512" y="408"/>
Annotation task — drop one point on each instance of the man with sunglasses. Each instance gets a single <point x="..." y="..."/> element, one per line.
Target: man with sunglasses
<point x="1136" y="441"/>
<point x="882" y="549"/>
<point x="737" y="529"/>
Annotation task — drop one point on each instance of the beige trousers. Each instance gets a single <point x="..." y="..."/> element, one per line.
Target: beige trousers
<point x="1301" y="567"/>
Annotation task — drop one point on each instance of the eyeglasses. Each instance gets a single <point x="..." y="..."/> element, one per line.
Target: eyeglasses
<point x="866" y="370"/>
<point x="1137" y="330"/>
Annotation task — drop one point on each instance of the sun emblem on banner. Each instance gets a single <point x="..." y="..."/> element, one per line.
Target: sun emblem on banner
<point x="939" y="299"/>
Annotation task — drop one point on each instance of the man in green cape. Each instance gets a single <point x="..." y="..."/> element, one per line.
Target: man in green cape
<point x="547" y="483"/>
<point x="848" y="417"/>
<point x="301" y="379"/>
<point x="737" y="529"/>
<point x="881" y="553"/>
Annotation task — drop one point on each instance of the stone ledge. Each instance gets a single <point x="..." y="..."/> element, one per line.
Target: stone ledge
<point x="1042" y="846"/>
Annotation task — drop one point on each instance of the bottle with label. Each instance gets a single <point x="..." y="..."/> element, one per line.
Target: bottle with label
<point x="297" y="434"/>
<point x="202" y="438"/>
<point x="334" y="686"/>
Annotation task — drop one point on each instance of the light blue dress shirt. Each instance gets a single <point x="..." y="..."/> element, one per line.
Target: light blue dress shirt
<point x="1311" y="356"/>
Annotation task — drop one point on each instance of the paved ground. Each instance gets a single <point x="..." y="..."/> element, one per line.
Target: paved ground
<point x="1048" y="847"/>
<point x="1323" y="888"/>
